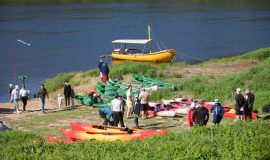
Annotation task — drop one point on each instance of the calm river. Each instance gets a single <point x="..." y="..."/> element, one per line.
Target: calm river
<point x="71" y="37"/>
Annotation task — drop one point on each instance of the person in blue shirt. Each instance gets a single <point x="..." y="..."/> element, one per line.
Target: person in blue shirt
<point x="106" y="114"/>
<point x="99" y="67"/>
<point x="105" y="72"/>
<point x="217" y="111"/>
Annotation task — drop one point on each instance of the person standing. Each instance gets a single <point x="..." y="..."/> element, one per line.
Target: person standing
<point x="129" y="101"/>
<point x="105" y="72"/>
<point x="99" y="67"/>
<point x="42" y="94"/>
<point x="15" y="96"/>
<point x="249" y="104"/>
<point x="218" y="111"/>
<point x="136" y="111"/>
<point x="239" y="104"/>
<point x="144" y="99"/>
<point x="118" y="111"/>
<point x="67" y="93"/>
<point x="72" y="94"/>
<point x="10" y="89"/>
<point x="106" y="114"/>
<point x="201" y="114"/>
<point x="24" y="97"/>
<point x="190" y="113"/>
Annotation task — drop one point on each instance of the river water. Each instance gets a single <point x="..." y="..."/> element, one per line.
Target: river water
<point x="71" y="37"/>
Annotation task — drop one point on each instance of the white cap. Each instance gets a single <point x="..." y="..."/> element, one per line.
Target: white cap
<point x="10" y="85"/>
<point x="238" y="90"/>
<point x="17" y="87"/>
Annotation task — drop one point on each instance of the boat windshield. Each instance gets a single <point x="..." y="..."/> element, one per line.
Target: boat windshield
<point x="129" y="46"/>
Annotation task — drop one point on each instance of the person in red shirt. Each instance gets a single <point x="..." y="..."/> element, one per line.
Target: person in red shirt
<point x="190" y="117"/>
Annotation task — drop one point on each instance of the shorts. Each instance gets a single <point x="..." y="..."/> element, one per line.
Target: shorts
<point x="238" y="111"/>
<point x="144" y="107"/>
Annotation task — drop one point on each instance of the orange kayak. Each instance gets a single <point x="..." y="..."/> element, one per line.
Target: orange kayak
<point x="83" y="135"/>
<point x="80" y="131"/>
<point x="101" y="129"/>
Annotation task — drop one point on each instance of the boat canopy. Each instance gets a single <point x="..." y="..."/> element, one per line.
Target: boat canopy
<point x="132" y="41"/>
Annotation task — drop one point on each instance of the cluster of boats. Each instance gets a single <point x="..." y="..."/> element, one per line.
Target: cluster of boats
<point x="140" y="81"/>
<point x="81" y="131"/>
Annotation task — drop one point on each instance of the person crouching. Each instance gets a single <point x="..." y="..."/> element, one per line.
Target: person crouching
<point x="106" y="114"/>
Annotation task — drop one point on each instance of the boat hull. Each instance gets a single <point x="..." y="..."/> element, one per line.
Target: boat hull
<point x="162" y="56"/>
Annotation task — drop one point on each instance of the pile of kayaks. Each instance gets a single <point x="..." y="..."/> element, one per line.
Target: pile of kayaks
<point x="170" y="108"/>
<point x="81" y="132"/>
<point x="140" y="81"/>
<point x="94" y="101"/>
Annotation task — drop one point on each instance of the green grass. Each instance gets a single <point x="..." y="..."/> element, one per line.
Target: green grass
<point x="260" y="54"/>
<point x="208" y="87"/>
<point x="230" y="140"/>
<point x="222" y="87"/>
<point x="241" y="140"/>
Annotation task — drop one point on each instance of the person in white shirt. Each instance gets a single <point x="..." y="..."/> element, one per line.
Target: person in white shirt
<point x="129" y="101"/>
<point x="15" y="95"/>
<point x="118" y="111"/>
<point x="24" y="96"/>
<point x="144" y="99"/>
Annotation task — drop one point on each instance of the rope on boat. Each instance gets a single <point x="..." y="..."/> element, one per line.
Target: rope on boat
<point x="105" y="55"/>
<point x="193" y="58"/>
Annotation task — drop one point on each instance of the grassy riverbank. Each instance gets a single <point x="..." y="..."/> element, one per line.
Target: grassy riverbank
<point x="212" y="79"/>
<point x="243" y="140"/>
<point x="208" y="80"/>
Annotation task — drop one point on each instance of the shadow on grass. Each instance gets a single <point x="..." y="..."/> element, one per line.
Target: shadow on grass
<point x="6" y="111"/>
<point x="158" y="126"/>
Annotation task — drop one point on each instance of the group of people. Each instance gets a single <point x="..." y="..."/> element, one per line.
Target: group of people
<point x="135" y="105"/>
<point x="199" y="115"/>
<point x="15" y="95"/>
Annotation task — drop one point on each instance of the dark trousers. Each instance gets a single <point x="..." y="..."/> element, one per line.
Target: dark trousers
<point x="24" y="100"/>
<point x="248" y="114"/>
<point x="136" y="120"/>
<point x="67" y="100"/>
<point x="118" y="118"/>
<point x="103" y="116"/>
<point x="217" y="119"/>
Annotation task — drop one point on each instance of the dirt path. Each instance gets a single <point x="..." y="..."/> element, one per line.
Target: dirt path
<point x="216" y="69"/>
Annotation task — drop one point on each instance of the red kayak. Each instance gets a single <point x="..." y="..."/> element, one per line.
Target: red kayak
<point x="229" y="111"/>
<point x="83" y="135"/>
<point x="57" y="139"/>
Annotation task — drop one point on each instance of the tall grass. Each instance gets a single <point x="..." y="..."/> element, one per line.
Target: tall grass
<point x="223" y="87"/>
<point x="130" y="67"/>
<point x="260" y="54"/>
<point x="242" y="140"/>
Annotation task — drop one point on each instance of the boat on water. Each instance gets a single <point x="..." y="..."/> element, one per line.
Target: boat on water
<point x="123" y="52"/>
